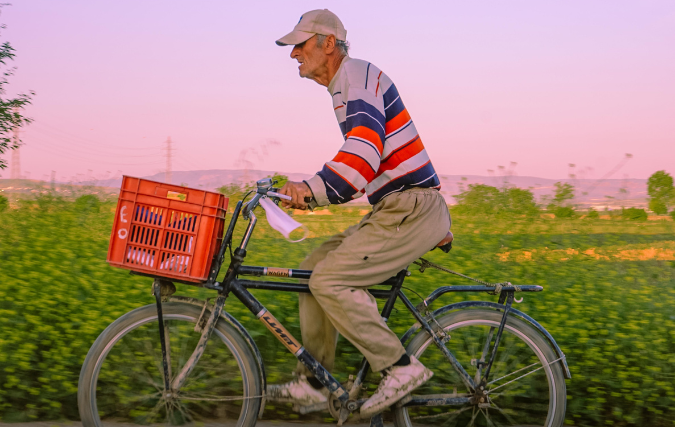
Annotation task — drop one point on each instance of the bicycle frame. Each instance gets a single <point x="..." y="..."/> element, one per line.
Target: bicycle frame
<point x="239" y="288"/>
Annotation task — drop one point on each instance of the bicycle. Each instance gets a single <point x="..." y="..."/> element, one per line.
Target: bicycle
<point x="184" y="360"/>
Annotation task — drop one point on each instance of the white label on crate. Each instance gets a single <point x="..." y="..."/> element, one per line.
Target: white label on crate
<point x="122" y="233"/>
<point x="122" y="214"/>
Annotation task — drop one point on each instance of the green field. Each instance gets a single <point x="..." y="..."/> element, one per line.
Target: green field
<point x="609" y="301"/>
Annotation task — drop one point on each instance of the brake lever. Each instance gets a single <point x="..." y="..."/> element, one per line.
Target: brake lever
<point x="278" y="195"/>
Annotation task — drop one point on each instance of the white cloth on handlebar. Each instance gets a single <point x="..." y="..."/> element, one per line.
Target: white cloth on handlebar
<point x="280" y="220"/>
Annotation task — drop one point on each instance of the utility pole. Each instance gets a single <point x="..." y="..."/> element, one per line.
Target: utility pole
<point x="167" y="175"/>
<point x="16" y="157"/>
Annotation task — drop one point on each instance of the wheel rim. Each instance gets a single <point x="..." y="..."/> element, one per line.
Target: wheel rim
<point x="128" y="385"/>
<point x="528" y="401"/>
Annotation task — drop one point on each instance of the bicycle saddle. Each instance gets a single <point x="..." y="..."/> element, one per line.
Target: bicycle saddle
<point x="446" y="244"/>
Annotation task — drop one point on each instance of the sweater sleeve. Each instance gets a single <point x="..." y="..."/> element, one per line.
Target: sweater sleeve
<point x="345" y="177"/>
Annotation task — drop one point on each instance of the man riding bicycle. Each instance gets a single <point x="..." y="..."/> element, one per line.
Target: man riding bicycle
<point x="384" y="158"/>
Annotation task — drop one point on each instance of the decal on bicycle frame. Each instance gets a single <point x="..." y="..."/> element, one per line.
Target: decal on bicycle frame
<point x="278" y="272"/>
<point x="280" y="332"/>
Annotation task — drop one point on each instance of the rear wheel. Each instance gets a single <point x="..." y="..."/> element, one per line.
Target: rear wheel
<point x="122" y="377"/>
<point x="526" y="386"/>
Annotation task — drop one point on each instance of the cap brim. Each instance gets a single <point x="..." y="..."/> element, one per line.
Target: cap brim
<point x="294" y="37"/>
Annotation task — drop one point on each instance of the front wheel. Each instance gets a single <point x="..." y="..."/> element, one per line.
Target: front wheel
<point x="526" y="386"/>
<point x="122" y="376"/>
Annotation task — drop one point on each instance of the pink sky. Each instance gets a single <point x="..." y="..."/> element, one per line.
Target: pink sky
<point x="540" y="83"/>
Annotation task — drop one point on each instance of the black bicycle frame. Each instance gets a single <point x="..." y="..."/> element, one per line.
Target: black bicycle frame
<point x="239" y="287"/>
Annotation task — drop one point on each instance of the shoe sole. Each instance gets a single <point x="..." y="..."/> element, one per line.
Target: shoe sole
<point x="398" y="396"/>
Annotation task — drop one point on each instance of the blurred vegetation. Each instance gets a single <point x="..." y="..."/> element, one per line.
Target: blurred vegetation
<point x="592" y="214"/>
<point x="488" y="200"/>
<point x="4" y="203"/>
<point x="634" y="214"/>
<point x="561" y="205"/>
<point x="608" y="299"/>
<point x="661" y="192"/>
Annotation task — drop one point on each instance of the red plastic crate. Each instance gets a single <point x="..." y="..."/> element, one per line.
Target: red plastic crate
<point x="166" y="230"/>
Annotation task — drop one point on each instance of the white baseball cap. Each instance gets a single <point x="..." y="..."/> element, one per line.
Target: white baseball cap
<point x="320" y="21"/>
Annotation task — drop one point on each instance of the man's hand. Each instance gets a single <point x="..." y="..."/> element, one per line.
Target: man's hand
<point x="298" y="191"/>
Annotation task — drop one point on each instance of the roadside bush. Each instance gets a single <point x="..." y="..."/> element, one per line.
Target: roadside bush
<point x="4" y="203"/>
<point x="634" y="214"/>
<point x="592" y="214"/>
<point x="485" y="199"/>
<point x="563" y="211"/>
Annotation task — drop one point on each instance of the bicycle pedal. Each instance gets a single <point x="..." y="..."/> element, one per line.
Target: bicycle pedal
<point x="306" y="409"/>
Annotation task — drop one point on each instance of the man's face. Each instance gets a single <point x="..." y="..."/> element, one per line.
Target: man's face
<point x="311" y="58"/>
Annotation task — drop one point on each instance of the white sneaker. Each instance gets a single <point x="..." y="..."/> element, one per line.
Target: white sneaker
<point x="299" y="391"/>
<point x="398" y="381"/>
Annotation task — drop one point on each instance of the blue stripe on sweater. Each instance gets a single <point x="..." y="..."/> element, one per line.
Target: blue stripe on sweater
<point x="411" y="180"/>
<point x="337" y="189"/>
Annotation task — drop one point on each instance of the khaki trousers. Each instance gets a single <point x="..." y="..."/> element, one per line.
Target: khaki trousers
<point x="401" y="228"/>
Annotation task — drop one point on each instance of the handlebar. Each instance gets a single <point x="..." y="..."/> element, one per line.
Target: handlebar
<point x="265" y="188"/>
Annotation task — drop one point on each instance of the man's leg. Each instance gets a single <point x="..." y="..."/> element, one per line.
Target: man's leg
<point x="319" y="336"/>
<point x="402" y="227"/>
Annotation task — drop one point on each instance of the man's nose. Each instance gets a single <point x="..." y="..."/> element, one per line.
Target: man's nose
<point x="295" y="52"/>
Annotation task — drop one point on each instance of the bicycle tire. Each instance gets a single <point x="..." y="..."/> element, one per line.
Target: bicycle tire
<point x="452" y="322"/>
<point x="172" y="311"/>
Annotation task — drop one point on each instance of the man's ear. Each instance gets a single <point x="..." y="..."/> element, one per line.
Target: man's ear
<point x="329" y="44"/>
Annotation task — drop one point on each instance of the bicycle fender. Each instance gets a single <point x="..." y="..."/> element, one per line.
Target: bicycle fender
<point x="247" y="337"/>
<point x="499" y="307"/>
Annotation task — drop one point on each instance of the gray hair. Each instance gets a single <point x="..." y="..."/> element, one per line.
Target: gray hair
<point x="342" y="45"/>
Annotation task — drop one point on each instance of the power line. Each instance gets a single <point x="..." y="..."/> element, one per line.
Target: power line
<point x="90" y="148"/>
<point x="85" y="141"/>
<point x="60" y="152"/>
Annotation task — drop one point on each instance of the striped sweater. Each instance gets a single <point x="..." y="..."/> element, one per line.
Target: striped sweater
<point x="383" y="152"/>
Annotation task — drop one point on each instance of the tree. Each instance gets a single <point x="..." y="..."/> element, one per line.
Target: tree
<point x="11" y="117"/>
<point x="661" y="192"/>
<point x="564" y="192"/>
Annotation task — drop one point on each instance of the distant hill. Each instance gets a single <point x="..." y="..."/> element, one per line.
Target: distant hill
<point x="208" y="179"/>
<point x="600" y="194"/>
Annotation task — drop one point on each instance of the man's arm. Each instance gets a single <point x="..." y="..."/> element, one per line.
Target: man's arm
<point x="357" y="162"/>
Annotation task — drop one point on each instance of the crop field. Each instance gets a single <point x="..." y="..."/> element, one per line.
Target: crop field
<point x="609" y="301"/>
